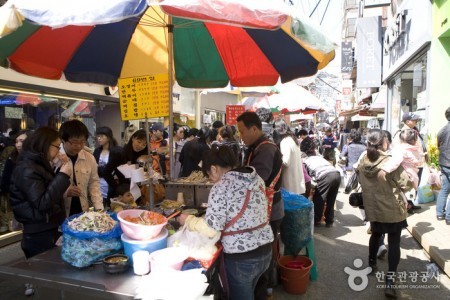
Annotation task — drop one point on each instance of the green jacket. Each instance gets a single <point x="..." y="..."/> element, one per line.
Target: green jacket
<point x="383" y="201"/>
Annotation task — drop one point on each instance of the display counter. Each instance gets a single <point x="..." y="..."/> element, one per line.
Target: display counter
<point x="54" y="279"/>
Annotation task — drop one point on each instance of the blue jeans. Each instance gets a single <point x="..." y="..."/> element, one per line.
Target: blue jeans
<point x="441" y="201"/>
<point x="243" y="274"/>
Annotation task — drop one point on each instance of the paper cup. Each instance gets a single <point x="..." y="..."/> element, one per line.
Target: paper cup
<point x="141" y="265"/>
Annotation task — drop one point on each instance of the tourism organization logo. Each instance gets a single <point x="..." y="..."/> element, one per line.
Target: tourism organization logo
<point x="358" y="278"/>
<point x="354" y="274"/>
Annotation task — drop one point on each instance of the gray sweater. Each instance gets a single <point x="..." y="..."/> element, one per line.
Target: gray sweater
<point x="443" y="140"/>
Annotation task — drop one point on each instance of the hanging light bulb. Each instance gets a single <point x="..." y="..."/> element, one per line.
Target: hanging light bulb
<point x="23" y="122"/>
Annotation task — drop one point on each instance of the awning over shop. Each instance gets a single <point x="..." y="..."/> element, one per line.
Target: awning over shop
<point x="350" y="112"/>
<point x="362" y="118"/>
<point x="379" y="100"/>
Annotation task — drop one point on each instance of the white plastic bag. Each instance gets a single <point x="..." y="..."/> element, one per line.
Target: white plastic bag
<point x="199" y="246"/>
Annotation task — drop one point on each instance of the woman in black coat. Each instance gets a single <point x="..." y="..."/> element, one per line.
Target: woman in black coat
<point x="36" y="192"/>
<point x="108" y="156"/>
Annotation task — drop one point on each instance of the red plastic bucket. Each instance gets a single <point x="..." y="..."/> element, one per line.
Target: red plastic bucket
<point x="294" y="273"/>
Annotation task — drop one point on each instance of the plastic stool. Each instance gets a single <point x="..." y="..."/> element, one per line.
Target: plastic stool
<point x="310" y="252"/>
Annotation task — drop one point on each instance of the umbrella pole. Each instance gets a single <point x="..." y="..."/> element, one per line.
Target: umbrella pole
<point x="170" y="66"/>
<point x="149" y="183"/>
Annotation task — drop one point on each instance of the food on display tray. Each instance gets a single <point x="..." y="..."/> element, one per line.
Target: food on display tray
<point x="93" y="221"/>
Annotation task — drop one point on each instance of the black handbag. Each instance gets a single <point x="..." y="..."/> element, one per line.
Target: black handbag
<point x="352" y="183"/>
<point x="356" y="199"/>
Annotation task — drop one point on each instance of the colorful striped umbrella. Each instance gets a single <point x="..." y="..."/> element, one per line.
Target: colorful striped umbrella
<point x="205" y="55"/>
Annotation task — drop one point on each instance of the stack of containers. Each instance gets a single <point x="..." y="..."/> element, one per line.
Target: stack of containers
<point x="137" y="237"/>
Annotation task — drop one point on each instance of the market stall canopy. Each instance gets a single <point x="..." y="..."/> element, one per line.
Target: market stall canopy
<point x="267" y="14"/>
<point x="297" y="117"/>
<point x="24" y="99"/>
<point x="285" y="98"/>
<point x="205" y="54"/>
<point x="362" y="118"/>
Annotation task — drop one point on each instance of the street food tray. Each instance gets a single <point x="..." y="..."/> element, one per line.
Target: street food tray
<point x="195" y="193"/>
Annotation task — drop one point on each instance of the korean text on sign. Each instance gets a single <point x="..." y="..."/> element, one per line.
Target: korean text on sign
<point x="233" y="111"/>
<point x="144" y="96"/>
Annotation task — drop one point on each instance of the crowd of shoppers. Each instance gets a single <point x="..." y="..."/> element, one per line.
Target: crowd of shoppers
<point x="248" y="171"/>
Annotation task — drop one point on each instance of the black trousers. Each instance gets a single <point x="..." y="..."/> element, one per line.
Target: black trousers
<point x="268" y="278"/>
<point x="35" y="243"/>
<point x="326" y="192"/>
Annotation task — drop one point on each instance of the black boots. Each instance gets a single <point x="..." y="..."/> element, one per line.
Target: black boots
<point x="390" y="291"/>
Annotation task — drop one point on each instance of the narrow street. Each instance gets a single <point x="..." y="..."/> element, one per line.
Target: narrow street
<point x="336" y="248"/>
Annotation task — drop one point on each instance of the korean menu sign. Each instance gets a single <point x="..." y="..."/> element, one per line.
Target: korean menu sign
<point x="234" y="111"/>
<point x="144" y="96"/>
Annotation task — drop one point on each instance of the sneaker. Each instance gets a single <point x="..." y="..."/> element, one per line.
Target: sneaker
<point x="29" y="290"/>
<point x="440" y="218"/>
<point x="382" y="250"/>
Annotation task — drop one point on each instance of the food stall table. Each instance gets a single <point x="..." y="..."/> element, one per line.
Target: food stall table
<point x="52" y="278"/>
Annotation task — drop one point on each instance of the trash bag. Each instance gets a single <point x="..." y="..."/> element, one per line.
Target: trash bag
<point x="425" y="194"/>
<point x="297" y="225"/>
<point x="83" y="248"/>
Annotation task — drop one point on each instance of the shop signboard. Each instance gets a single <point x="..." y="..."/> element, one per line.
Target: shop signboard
<point x="234" y="111"/>
<point x="144" y="97"/>
<point x="13" y="112"/>
<point x="346" y="57"/>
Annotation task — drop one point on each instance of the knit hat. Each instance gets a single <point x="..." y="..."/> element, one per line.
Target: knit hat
<point x="264" y="114"/>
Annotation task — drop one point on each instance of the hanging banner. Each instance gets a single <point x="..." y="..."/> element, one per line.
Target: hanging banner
<point x="144" y="96"/>
<point x="369" y="52"/>
<point x="346" y="57"/>
<point x="234" y="111"/>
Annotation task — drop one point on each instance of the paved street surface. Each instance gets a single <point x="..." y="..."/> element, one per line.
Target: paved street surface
<point x="337" y="248"/>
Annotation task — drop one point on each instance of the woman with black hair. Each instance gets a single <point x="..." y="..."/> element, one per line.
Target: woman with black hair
<point x="191" y="154"/>
<point x="238" y="212"/>
<point x="179" y="135"/>
<point x="136" y="147"/>
<point x="327" y="178"/>
<point x="383" y="203"/>
<point x="36" y="192"/>
<point x="108" y="156"/>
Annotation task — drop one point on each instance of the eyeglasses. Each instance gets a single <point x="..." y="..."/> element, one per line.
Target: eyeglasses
<point x="82" y="143"/>
<point x="56" y="146"/>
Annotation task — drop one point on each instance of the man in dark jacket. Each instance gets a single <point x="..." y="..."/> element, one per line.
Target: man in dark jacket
<point x="265" y="157"/>
<point x="443" y="141"/>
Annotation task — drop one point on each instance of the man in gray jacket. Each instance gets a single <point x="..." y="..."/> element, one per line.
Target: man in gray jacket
<point x="443" y="141"/>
